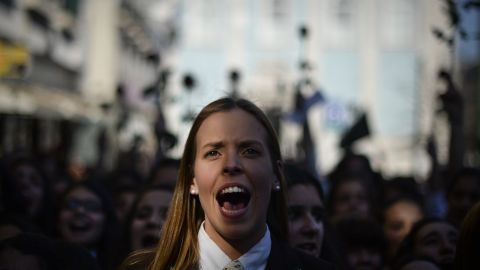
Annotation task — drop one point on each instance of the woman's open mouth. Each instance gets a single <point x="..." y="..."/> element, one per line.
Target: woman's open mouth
<point x="310" y="248"/>
<point x="80" y="226"/>
<point x="149" y="240"/>
<point x="233" y="201"/>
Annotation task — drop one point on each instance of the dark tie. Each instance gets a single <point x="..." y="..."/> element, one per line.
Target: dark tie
<point x="233" y="265"/>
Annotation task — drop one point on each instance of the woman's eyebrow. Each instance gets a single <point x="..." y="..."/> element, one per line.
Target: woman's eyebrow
<point x="452" y="234"/>
<point x="295" y="207"/>
<point x="250" y="143"/>
<point x="214" y="145"/>
<point x="431" y="235"/>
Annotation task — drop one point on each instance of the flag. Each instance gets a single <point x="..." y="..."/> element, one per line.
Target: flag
<point x="357" y="131"/>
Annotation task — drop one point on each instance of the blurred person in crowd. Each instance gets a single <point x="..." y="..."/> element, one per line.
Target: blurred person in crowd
<point x="350" y="195"/>
<point x="442" y="180"/>
<point x="124" y="186"/>
<point x="123" y="199"/>
<point x="306" y="210"/>
<point x="399" y="215"/>
<point x="454" y="107"/>
<point x="469" y="241"/>
<point x="401" y="186"/>
<point x="146" y="219"/>
<point x="136" y="158"/>
<point x="462" y="193"/>
<point x="353" y="163"/>
<point x="28" y="251"/>
<point x="148" y="216"/>
<point x="165" y="172"/>
<point x="26" y="191"/>
<point x="357" y="164"/>
<point x="435" y="186"/>
<point x="229" y="202"/>
<point x="431" y="238"/>
<point x="363" y="243"/>
<point x="86" y="217"/>
<point x="309" y="229"/>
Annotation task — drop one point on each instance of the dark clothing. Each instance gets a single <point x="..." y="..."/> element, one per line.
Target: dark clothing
<point x="282" y="257"/>
<point x="285" y="257"/>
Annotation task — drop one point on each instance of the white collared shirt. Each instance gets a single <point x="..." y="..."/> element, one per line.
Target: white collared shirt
<point x="212" y="257"/>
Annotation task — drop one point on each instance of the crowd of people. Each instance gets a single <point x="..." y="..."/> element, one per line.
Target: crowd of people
<point x="232" y="197"/>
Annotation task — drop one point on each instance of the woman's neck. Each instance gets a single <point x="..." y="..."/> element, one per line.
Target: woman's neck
<point x="234" y="248"/>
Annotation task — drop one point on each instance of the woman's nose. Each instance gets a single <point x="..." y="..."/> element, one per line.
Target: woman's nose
<point x="232" y="164"/>
<point x="80" y="209"/>
<point x="154" y="221"/>
<point x="310" y="225"/>
<point x="447" y="246"/>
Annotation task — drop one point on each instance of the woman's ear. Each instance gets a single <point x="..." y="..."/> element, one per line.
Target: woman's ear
<point x="194" y="187"/>
<point x="276" y="183"/>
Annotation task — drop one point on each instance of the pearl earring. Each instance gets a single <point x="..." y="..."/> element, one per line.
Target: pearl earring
<point x="194" y="191"/>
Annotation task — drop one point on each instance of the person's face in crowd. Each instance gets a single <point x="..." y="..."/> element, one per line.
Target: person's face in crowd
<point x="399" y="219"/>
<point x="12" y="259"/>
<point x="82" y="219"/>
<point x="305" y="215"/>
<point x="28" y="183"/>
<point x="149" y="218"/>
<point x="362" y="258"/>
<point x="463" y="196"/>
<point x="123" y="204"/>
<point x="234" y="177"/>
<point x="351" y="199"/>
<point x="436" y="241"/>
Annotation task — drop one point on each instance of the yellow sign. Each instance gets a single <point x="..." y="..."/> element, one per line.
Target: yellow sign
<point x="13" y="60"/>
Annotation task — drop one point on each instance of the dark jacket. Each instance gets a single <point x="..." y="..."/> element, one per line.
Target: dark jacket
<point x="282" y="257"/>
<point x="285" y="257"/>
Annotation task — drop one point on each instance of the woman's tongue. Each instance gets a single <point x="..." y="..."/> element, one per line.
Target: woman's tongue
<point x="234" y="201"/>
<point x="233" y="206"/>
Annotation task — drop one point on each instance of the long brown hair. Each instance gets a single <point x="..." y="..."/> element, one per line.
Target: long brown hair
<point x="178" y="245"/>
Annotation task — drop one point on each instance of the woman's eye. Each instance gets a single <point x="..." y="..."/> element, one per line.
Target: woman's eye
<point x="294" y="212"/>
<point x="430" y="242"/>
<point x="318" y="214"/>
<point x="213" y="153"/>
<point x="143" y="213"/>
<point x="251" y="152"/>
<point x="293" y="215"/>
<point x="396" y="226"/>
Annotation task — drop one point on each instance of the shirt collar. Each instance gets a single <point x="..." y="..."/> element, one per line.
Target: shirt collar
<point x="256" y="258"/>
<point x="212" y="257"/>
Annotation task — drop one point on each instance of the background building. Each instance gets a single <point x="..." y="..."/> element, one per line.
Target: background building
<point x="137" y="71"/>
<point x="378" y="57"/>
